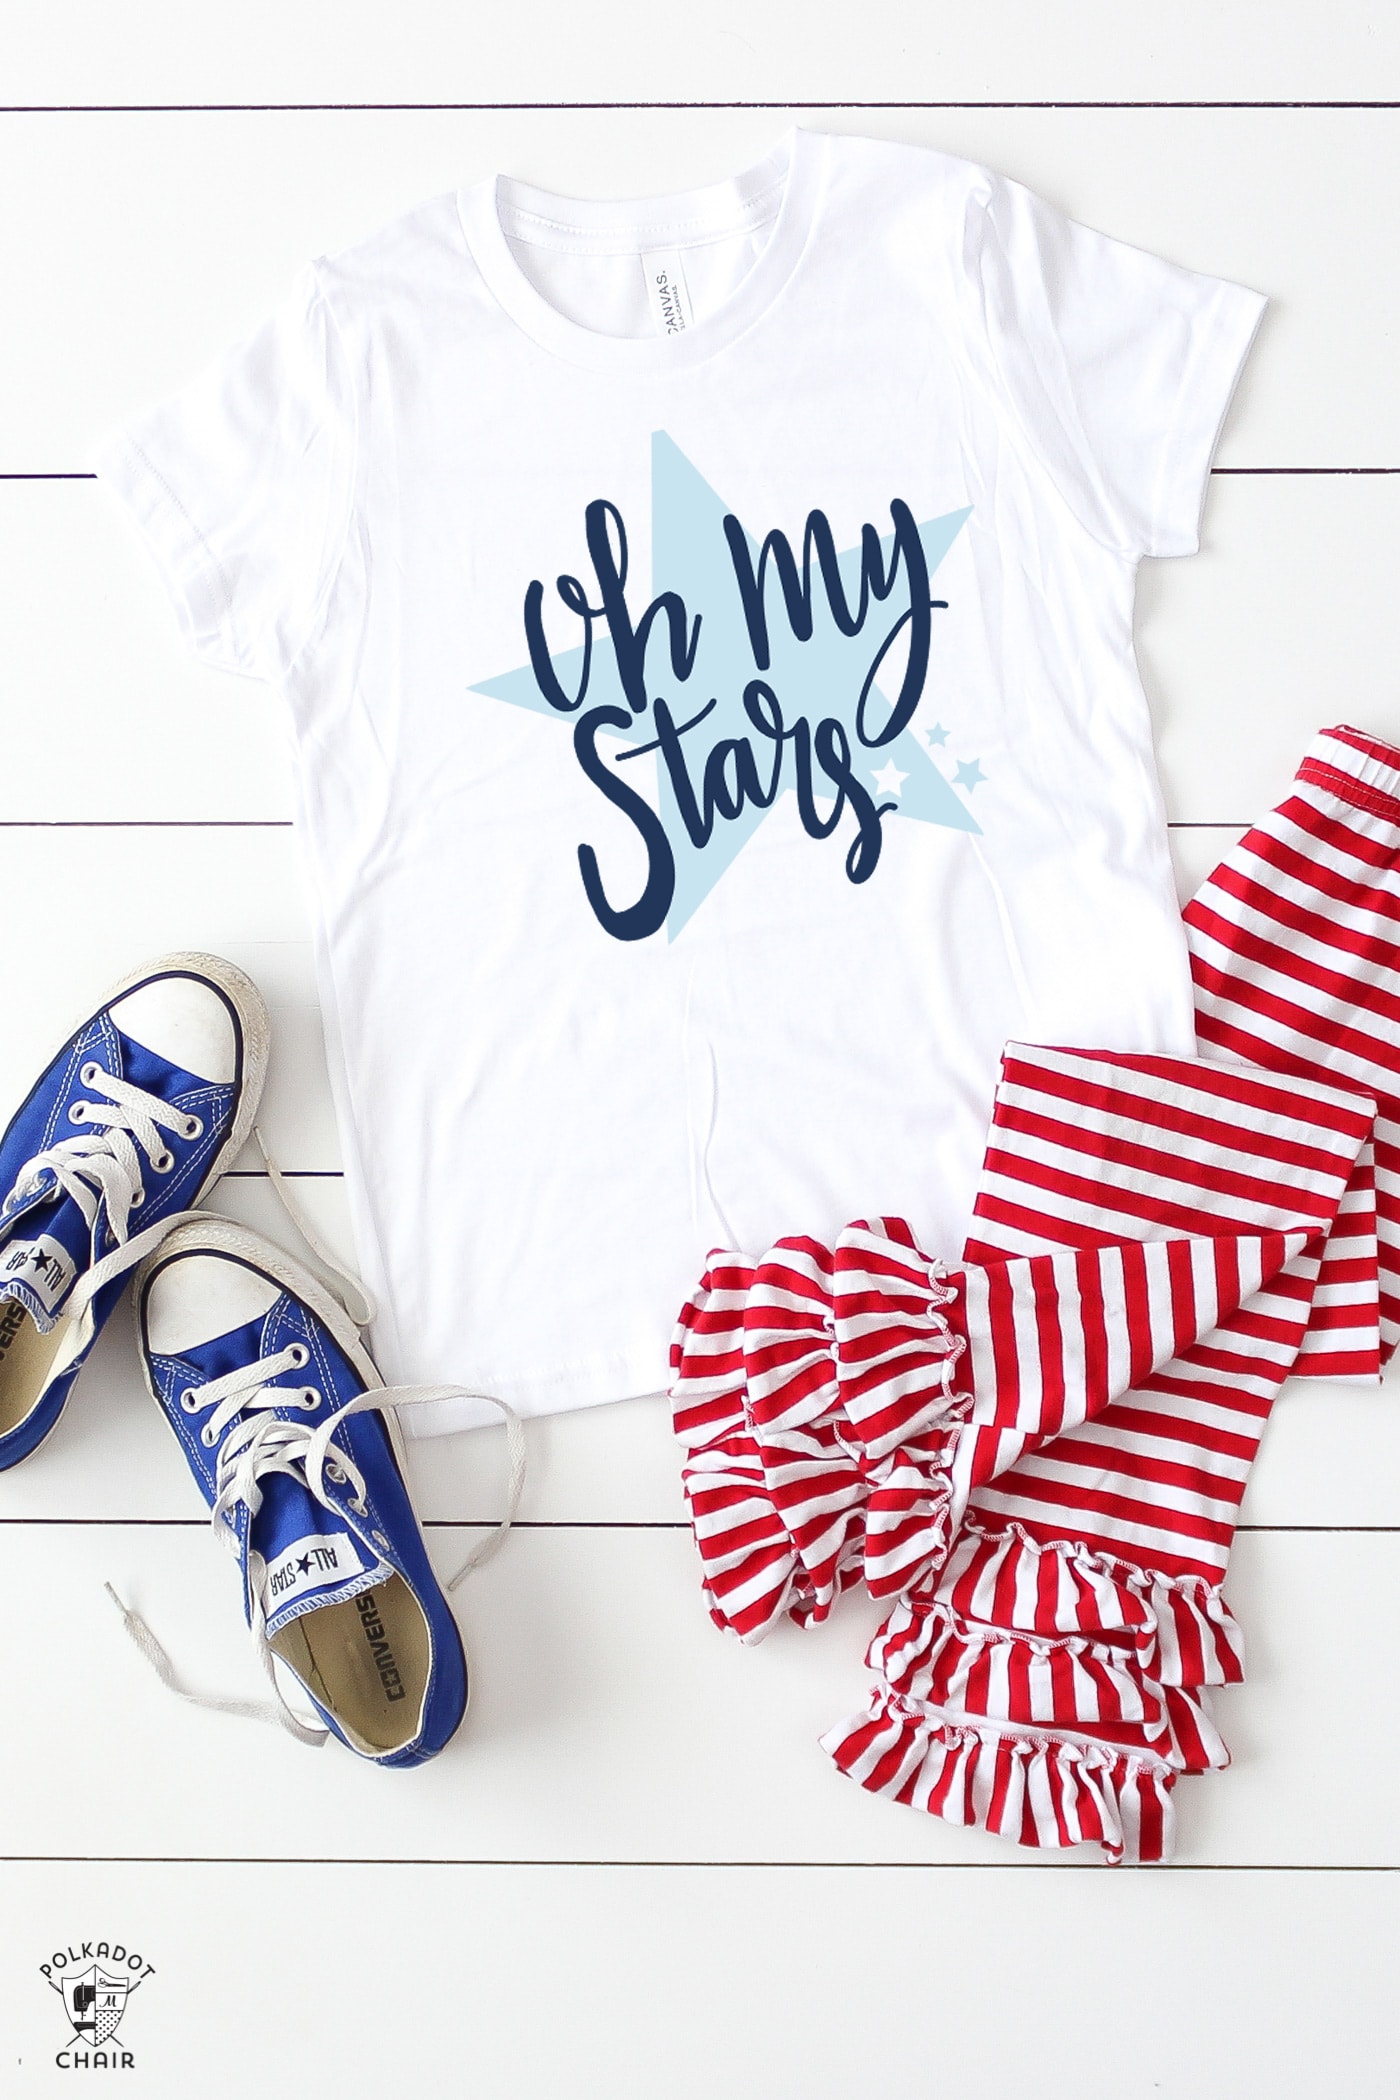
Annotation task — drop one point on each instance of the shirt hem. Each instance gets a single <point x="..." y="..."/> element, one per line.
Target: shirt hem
<point x="598" y="1381"/>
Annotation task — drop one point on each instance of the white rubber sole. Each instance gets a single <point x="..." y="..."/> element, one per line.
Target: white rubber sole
<point x="221" y="1236"/>
<point x="255" y="1027"/>
<point x="254" y="1022"/>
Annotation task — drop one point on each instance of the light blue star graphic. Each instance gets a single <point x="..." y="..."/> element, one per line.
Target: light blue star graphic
<point x="818" y="678"/>
<point x="969" y="774"/>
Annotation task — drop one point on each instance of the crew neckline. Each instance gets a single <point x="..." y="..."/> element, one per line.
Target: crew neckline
<point x="684" y="218"/>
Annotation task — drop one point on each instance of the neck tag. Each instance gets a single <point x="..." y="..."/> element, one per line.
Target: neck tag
<point x="668" y="295"/>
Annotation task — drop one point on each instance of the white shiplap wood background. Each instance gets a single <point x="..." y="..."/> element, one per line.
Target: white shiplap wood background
<point x="633" y="1874"/>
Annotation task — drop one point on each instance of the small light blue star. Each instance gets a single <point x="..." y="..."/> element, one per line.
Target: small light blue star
<point x="969" y="774"/>
<point x="937" y="735"/>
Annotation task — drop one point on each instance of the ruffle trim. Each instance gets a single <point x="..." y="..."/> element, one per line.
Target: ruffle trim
<point x="784" y="1532"/>
<point x="1179" y="1628"/>
<point x="813" y="1394"/>
<point x="909" y="1514"/>
<point x="749" y="1567"/>
<point x="1039" y="1790"/>
<point x="928" y="1656"/>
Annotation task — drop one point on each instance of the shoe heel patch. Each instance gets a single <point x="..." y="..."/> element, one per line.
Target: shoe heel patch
<point x="43" y="1268"/>
<point x="321" y="1561"/>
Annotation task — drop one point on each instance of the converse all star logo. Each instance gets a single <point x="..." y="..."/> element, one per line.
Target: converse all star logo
<point x="373" y="1627"/>
<point x="44" y="1265"/>
<point x="312" y="1563"/>
<point x="12" y="1319"/>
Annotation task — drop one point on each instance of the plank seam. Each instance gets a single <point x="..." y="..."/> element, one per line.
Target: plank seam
<point x="286" y="824"/>
<point x="153" y="109"/>
<point x="781" y="1866"/>
<point x="55" y="474"/>
<point x="612" y="1524"/>
<point x="145" y="824"/>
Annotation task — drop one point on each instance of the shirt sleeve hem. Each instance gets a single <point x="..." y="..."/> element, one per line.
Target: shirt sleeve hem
<point x="196" y="585"/>
<point x="1207" y="389"/>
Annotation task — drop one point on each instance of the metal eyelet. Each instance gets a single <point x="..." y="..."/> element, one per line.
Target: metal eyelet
<point x="205" y="1438"/>
<point x="194" y="1128"/>
<point x="163" y="1162"/>
<point x="77" y="1112"/>
<point x="91" y="1073"/>
<point x="310" y="1399"/>
<point x="299" y="1354"/>
<point x="188" y="1401"/>
<point x="138" y="1199"/>
<point x="379" y="1539"/>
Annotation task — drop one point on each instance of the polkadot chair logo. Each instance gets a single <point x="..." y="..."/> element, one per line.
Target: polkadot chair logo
<point x="95" y="1979"/>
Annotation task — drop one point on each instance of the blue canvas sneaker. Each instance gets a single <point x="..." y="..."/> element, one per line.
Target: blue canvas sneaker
<point x="290" y="1433"/>
<point x="127" y="1128"/>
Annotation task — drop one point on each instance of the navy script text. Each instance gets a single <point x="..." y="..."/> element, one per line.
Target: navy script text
<point x="715" y="779"/>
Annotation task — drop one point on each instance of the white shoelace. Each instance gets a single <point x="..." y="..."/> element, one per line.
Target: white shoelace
<point x="256" y="1444"/>
<point x="106" y="1171"/>
<point x="346" y="1284"/>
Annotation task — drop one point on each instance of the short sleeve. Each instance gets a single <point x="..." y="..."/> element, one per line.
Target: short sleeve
<point x="241" y="486"/>
<point x="1117" y="367"/>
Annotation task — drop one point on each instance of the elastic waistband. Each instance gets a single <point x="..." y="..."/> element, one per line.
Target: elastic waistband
<point x="1359" y="769"/>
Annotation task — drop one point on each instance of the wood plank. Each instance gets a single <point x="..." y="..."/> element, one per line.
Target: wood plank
<point x="99" y="689"/>
<point x="1197" y="850"/>
<point x="227" y="207"/>
<point x="611" y="1721"/>
<point x="1282" y="625"/>
<point x="1331" y="1455"/>
<point x="1284" y="622"/>
<point x="235" y="892"/>
<point x="127" y="895"/>
<point x="535" y="1981"/>
<point x="691" y="1983"/>
<point x="1007" y="48"/>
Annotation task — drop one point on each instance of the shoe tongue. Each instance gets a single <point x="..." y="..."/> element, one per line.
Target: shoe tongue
<point x="312" y="1555"/>
<point x="43" y="1257"/>
<point x="153" y="1073"/>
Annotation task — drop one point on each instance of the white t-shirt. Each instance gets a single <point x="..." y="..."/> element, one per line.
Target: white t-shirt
<point x="706" y="624"/>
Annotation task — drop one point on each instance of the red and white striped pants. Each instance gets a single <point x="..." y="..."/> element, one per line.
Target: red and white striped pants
<point x="1039" y="1456"/>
